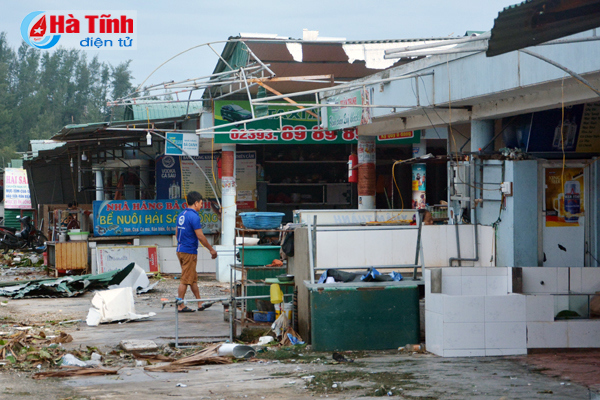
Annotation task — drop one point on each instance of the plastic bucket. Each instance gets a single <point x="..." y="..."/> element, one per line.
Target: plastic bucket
<point x="287" y="309"/>
<point x="236" y="350"/>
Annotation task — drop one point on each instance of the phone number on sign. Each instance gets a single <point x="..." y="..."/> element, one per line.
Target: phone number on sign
<point x="288" y="133"/>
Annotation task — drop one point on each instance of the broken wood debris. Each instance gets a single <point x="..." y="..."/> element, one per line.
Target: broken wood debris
<point x="77" y="371"/>
<point x="209" y="355"/>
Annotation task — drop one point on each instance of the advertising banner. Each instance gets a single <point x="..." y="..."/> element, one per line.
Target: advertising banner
<point x="347" y="117"/>
<point x="577" y="131"/>
<point x="186" y="141"/>
<point x="176" y="176"/>
<point x="298" y="128"/>
<point x="418" y="186"/>
<point x="16" y="189"/>
<point x="564" y="196"/>
<point x="145" y="217"/>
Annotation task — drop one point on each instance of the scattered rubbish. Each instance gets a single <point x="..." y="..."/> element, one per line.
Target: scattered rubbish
<point x="415" y="348"/>
<point x="280" y="325"/>
<point x="25" y="346"/>
<point x="138" y="345"/>
<point x="137" y="279"/>
<point x="207" y="356"/>
<point x="236" y="350"/>
<point x="263" y="340"/>
<point x="308" y="377"/>
<point x="70" y="321"/>
<point x="545" y="392"/>
<point x="114" y="305"/>
<point x="340" y="358"/>
<point x="335" y="385"/>
<point x="249" y="369"/>
<point x="291" y="337"/>
<point x="67" y="286"/>
<point x="151" y="358"/>
<point x="69" y="360"/>
<point x="74" y="372"/>
<point x="180" y="385"/>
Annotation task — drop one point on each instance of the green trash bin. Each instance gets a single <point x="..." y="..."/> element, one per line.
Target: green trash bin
<point x="364" y="316"/>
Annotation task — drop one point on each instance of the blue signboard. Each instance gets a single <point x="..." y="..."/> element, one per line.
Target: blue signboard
<point x="168" y="178"/>
<point x="145" y="217"/>
<point x="186" y="141"/>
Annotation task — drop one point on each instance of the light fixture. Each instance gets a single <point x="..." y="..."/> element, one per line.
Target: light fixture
<point x="83" y="156"/>
<point x="149" y="139"/>
<point x="71" y="163"/>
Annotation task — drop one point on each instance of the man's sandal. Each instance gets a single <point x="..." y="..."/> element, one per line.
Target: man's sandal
<point x="186" y="309"/>
<point x="204" y="306"/>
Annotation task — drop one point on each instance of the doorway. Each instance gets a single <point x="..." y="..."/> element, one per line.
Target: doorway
<point x="564" y="197"/>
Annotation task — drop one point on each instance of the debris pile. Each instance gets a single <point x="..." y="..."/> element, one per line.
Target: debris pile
<point x="27" y="349"/>
<point x="67" y="286"/>
<point x="209" y="355"/>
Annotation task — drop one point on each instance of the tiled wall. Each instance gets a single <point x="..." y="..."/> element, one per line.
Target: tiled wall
<point x="477" y="315"/>
<point x="170" y="265"/>
<point x="373" y="246"/>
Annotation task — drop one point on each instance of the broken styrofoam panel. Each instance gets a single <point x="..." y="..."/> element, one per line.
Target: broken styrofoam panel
<point x="295" y="50"/>
<point x="114" y="305"/>
<point x="371" y="53"/>
<point x="138" y="345"/>
<point x="137" y="279"/>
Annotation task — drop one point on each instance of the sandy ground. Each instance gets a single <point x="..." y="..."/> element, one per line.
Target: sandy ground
<point x="295" y="374"/>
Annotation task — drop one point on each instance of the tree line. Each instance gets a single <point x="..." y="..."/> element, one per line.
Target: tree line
<point x="42" y="91"/>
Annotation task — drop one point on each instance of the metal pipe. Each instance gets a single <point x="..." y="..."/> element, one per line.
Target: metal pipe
<point x="449" y="42"/>
<point x="480" y="48"/>
<point x="419" y="223"/>
<point x="258" y="59"/>
<point x="346" y="86"/>
<point x="212" y="128"/>
<point x="344" y="106"/>
<point x="248" y="92"/>
<point x="310" y="251"/>
<point x="475" y="235"/>
<point x="193" y="160"/>
<point x="562" y="67"/>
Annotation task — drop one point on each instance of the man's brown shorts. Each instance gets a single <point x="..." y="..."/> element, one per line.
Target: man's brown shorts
<point x="188" y="268"/>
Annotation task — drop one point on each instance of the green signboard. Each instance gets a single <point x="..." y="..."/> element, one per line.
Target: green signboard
<point x="345" y="117"/>
<point x="298" y="128"/>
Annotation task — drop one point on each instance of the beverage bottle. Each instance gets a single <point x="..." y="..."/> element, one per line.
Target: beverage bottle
<point x="572" y="200"/>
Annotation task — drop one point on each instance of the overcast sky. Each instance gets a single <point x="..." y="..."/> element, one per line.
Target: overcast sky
<point x="166" y="28"/>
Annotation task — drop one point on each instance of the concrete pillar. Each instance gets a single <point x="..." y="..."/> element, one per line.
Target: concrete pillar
<point x="226" y="250"/>
<point x="99" y="186"/>
<point x="482" y="133"/>
<point x="366" y="173"/>
<point x="419" y="199"/>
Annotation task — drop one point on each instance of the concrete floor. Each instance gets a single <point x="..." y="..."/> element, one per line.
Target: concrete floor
<point x="413" y="376"/>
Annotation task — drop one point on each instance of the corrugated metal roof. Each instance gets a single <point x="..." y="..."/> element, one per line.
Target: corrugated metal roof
<point x="342" y="59"/>
<point x="67" y="286"/>
<point x="537" y="21"/>
<point x="151" y="111"/>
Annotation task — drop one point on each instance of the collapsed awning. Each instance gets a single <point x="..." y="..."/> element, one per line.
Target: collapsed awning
<point x="68" y="286"/>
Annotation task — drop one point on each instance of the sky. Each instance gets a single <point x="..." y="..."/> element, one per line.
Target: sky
<point x="166" y="28"/>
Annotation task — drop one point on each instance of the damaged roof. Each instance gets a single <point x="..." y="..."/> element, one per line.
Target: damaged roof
<point x="345" y="60"/>
<point x="67" y="286"/>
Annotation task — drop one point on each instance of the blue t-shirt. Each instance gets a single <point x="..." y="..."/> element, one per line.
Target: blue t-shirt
<point x="187" y="223"/>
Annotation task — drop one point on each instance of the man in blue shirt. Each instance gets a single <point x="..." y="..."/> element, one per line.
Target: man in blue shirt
<point x="189" y="232"/>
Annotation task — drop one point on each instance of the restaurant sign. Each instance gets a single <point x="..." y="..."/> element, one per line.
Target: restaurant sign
<point x="145" y="217"/>
<point x="298" y="128"/>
